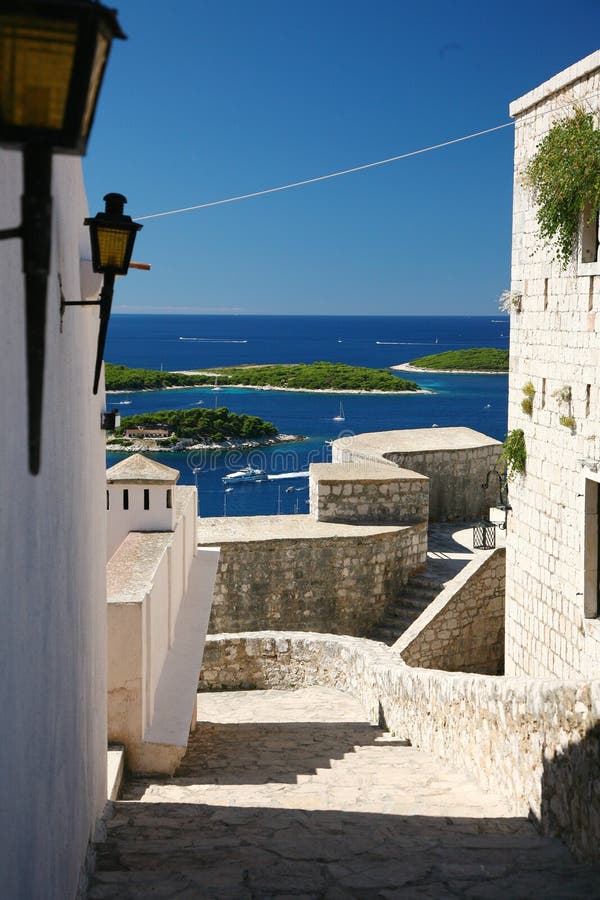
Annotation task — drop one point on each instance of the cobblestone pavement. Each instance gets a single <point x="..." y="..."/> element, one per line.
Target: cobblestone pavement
<point x="294" y="795"/>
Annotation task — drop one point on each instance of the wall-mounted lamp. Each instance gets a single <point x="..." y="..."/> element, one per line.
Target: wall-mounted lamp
<point x="110" y="420"/>
<point x="112" y="236"/>
<point x="52" y="59"/>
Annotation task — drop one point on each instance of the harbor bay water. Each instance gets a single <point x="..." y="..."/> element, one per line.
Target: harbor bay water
<point x="475" y="401"/>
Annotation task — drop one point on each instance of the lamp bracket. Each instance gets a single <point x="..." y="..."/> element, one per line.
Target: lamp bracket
<point x="6" y="233"/>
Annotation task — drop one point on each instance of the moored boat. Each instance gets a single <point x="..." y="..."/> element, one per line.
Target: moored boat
<point x="246" y="474"/>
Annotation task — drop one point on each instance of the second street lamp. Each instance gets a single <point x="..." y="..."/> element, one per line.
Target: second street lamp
<point x="112" y="236"/>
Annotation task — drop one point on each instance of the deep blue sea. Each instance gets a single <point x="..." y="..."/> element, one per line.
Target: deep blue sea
<point x="477" y="401"/>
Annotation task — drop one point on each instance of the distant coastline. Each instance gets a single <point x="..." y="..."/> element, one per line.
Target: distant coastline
<point x="149" y="445"/>
<point x="318" y="377"/>
<point x="270" y="387"/>
<point x="407" y="367"/>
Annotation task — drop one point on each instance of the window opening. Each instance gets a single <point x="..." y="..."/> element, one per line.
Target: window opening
<point x="146" y="498"/>
<point x="125" y="498"/>
<point x="589" y="238"/>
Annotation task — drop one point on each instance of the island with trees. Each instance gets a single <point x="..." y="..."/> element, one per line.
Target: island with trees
<point x="122" y="378"/>
<point x="317" y="376"/>
<point x="178" y="429"/>
<point x="477" y="360"/>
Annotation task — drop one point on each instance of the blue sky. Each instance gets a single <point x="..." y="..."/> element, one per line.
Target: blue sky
<point x="214" y="98"/>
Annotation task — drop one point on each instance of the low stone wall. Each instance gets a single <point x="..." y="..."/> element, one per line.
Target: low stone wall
<point x="535" y="742"/>
<point x="371" y="494"/>
<point x="462" y="630"/>
<point x="291" y="572"/>
<point x="456" y="461"/>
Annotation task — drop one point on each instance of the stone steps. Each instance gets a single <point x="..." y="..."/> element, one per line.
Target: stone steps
<point x="415" y="597"/>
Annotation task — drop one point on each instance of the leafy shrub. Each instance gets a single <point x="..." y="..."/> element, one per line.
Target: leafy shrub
<point x="565" y="177"/>
<point x="514" y="452"/>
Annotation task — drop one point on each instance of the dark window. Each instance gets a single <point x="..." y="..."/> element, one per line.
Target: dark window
<point x="146" y="498"/>
<point x="125" y="498"/>
<point x="169" y="498"/>
<point x="108" y="500"/>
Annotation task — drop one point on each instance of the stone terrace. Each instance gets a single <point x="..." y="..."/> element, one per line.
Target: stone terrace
<point x="294" y="794"/>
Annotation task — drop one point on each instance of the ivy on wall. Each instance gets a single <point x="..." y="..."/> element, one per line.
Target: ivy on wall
<point x="514" y="454"/>
<point x="565" y="177"/>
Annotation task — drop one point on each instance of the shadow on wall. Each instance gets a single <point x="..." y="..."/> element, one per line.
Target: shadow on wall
<point x="571" y="795"/>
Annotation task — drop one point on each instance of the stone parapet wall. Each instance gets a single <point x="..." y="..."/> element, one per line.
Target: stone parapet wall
<point x="294" y="573"/>
<point x="373" y="494"/>
<point x="462" y="630"/>
<point x="554" y="344"/>
<point x="455" y="460"/>
<point x="535" y="742"/>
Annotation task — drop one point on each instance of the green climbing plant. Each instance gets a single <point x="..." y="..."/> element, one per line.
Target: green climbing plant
<point x="565" y="177"/>
<point x="527" y="401"/>
<point x="514" y="453"/>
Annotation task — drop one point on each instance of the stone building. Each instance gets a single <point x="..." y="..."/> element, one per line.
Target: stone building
<point x="552" y="593"/>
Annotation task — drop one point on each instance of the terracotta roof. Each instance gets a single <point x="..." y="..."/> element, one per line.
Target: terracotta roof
<point x="139" y="469"/>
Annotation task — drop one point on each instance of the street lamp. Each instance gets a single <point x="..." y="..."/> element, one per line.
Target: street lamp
<point x="112" y="236"/>
<point x="52" y="59"/>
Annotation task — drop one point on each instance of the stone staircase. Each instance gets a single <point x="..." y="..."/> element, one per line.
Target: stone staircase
<point x="415" y="597"/>
<point x="293" y="794"/>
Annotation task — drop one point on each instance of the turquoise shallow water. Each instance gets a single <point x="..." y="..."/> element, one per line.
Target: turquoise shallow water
<point x="476" y="401"/>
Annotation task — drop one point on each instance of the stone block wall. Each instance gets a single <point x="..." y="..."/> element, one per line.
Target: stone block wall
<point x="310" y="576"/>
<point x="555" y="344"/>
<point x="457" y="462"/>
<point x="456" y="479"/>
<point x="375" y="494"/>
<point x="462" y="630"/>
<point x="535" y="742"/>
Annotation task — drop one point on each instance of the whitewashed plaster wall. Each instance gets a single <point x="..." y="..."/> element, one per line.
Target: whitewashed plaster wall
<point x="555" y="341"/>
<point x="120" y="521"/>
<point x="52" y="565"/>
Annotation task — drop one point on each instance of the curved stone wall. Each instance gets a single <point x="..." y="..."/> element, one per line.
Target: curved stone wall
<point x="291" y="572"/>
<point x="535" y="742"/>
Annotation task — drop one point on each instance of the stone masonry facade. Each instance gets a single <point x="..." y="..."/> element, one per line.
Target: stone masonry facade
<point x="338" y="493"/>
<point x="552" y="625"/>
<point x="337" y="579"/>
<point x="460" y="464"/>
<point x="462" y="630"/>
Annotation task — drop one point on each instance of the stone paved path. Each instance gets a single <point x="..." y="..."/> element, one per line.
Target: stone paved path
<point x="293" y="795"/>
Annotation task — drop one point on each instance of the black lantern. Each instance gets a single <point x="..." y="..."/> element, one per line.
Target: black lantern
<point x="52" y="59"/>
<point x="484" y="535"/>
<point x="112" y="236"/>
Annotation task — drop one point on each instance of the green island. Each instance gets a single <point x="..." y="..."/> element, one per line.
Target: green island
<point x="196" y="425"/>
<point x="122" y="378"/>
<point x="477" y="359"/>
<point x="317" y="376"/>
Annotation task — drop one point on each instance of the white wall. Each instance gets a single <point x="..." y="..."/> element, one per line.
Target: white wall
<point x="120" y="521"/>
<point x="52" y="565"/>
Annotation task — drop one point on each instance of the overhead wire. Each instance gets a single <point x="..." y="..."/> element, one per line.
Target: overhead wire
<point x="294" y="184"/>
<point x="360" y="168"/>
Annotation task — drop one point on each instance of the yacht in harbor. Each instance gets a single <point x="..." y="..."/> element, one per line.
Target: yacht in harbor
<point x="246" y="474"/>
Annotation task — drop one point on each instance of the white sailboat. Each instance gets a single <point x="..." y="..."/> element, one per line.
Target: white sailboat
<point x="216" y="384"/>
<point x="340" y="416"/>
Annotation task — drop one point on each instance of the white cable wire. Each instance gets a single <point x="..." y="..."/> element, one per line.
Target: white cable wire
<point x="371" y="165"/>
<point x="286" y="187"/>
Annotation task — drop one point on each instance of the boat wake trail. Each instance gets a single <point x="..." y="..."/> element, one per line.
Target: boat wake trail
<point x="213" y="340"/>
